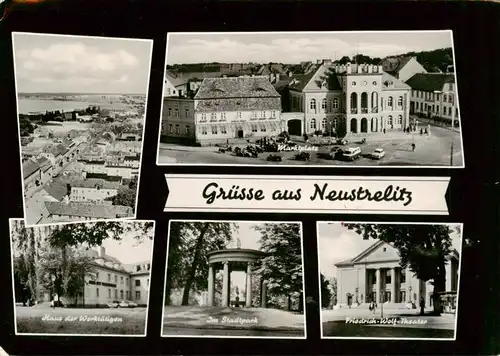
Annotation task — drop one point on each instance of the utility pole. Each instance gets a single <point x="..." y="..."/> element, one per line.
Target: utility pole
<point x="451" y="153"/>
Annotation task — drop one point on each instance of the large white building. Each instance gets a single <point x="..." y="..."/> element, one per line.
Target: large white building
<point x="376" y="275"/>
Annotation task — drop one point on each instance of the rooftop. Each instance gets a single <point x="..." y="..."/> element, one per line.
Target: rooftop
<point x="89" y="210"/>
<point x="29" y="168"/>
<point x="95" y="183"/>
<point x="237" y="87"/>
<point x="393" y="65"/>
<point x="430" y="81"/>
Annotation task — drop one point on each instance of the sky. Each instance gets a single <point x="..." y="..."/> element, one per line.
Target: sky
<point x="73" y="64"/>
<point x="183" y="48"/>
<point x="336" y="243"/>
<point x="129" y="250"/>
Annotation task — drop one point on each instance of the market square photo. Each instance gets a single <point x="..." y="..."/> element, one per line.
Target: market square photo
<point x="389" y="280"/>
<point x="81" y="105"/>
<point x="311" y="98"/>
<point x="82" y="279"/>
<point x="234" y="279"/>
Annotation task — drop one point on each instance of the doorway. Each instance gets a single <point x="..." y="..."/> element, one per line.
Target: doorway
<point x="295" y="127"/>
<point x="240" y="134"/>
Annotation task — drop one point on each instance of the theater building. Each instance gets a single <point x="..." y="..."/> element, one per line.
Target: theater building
<point x="376" y="275"/>
<point x="225" y="109"/>
<point x="348" y="99"/>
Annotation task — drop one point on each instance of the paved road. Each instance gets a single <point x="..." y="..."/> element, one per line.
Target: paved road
<point x="172" y="330"/>
<point x="433" y="150"/>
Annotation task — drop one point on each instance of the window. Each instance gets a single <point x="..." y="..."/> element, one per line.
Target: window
<point x="445" y="97"/>
<point x="137" y="282"/>
<point x="121" y="294"/>
<point x="323" y="104"/>
<point x="187" y="130"/>
<point x="388" y="276"/>
<point x="323" y="124"/>
<point x="186" y="113"/>
<point x="353" y="84"/>
<point x="312" y="104"/>
<point x="109" y="292"/>
<point x="147" y="282"/>
<point x="389" y="102"/>
<point x="254" y="114"/>
<point x="449" y="111"/>
<point x="254" y="128"/>
<point x="116" y="278"/>
<point x="137" y="295"/>
<point x="223" y="130"/>
<point x="364" y="82"/>
<point x="177" y="130"/>
<point x="223" y="116"/>
<point x="126" y="281"/>
<point x="214" y="130"/>
<point x="169" y="111"/>
<point x="262" y="128"/>
<point x="402" y="296"/>
<point x="109" y="277"/>
<point x="204" y="130"/>
<point x="213" y="117"/>
<point x="335" y="122"/>
<point x="336" y="103"/>
<point x="203" y="117"/>
<point x="238" y="114"/>
<point x="116" y="293"/>
<point x="97" y="292"/>
<point x="273" y="114"/>
<point x="400" y="120"/>
<point x="402" y="276"/>
<point x="313" y="124"/>
<point x="450" y="86"/>
<point x="171" y="128"/>
<point x="387" y="297"/>
<point x="389" y="120"/>
<point x="121" y="280"/>
<point x="451" y="98"/>
<point x="176" y="112"/>
<point x="400" y="101"/>
<point x="263" y="115"/>
<point x="374" y="83"/>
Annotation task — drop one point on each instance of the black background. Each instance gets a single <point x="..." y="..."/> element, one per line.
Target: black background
<point x="472" y="195"/>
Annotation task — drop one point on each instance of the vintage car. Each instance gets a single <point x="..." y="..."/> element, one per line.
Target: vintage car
<point x="351" y="153"/>
<point x="378" y="153"/>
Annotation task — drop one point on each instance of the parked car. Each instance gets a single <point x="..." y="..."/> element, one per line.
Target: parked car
<point x="127" y="304"/>
<point x="341" y="141"/>
<point x="378" y="153"/>
<point x="303" y="156"/>
<point x="113" y="304"/>
<point x="274" y="158"/>
<point x="351" y="153"/>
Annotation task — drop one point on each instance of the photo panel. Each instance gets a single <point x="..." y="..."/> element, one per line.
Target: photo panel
<point x="81" y="105"/>
<point x="82" y="279"/>
<point x="343" y="99"/>
<point x="389" y="280"/>
<point x="234" y="279"/>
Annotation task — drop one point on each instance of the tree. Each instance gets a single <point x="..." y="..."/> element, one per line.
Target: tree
<point x="282" y="265"/>
<point x="208" y="236"/>
<point x="422" y="248"/>
<point x="125" y="197"/>
<point x="326" y="295"/>
<point x="333" y="292"/>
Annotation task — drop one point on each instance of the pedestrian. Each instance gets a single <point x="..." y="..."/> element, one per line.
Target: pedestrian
<point x="384" y="130"/>
<point x="56" y="300"/>
<point x="413" y="146"/>
<point x="422" y="305"/>
<point x="52" y="303"/>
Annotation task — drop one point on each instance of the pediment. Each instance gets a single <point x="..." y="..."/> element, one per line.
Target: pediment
<point x="380" y="251"/>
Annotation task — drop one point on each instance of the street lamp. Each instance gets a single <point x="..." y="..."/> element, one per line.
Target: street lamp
<point x="409" y="291"/>
<point x="382" y="297"/>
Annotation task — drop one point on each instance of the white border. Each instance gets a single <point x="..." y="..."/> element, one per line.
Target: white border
<point x="390" y="223"/>
<point x="308" y="165"/>
<point x="143" y="125"/>
<point x="85" y="335"/>
<point x="230" y="336"/>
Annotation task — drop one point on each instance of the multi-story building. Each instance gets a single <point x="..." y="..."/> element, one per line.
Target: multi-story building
<point x="140" y="277"/>
<point x="350" y="99"/>
<point x="402" y="67"/>
<point x="434" y="95"/>
<point x="376" y="275"/>
<point x="224" y="109"/>
<point x="82" y="211"/>
<point x="93" y="190"/>
<point x="32" y="175"/>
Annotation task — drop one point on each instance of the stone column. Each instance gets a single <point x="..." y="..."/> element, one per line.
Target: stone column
<point x="348" y="103"/>
<point x="211" y="285"/>
<point x="379" y="284"/>
<point x="369" y="102"/>
<point x="225" y="285"/>
<point x="393" y="291"/>
<point x="263" y="295"/>
<point x="358" y="97"/>
<point x="248" y="297"/>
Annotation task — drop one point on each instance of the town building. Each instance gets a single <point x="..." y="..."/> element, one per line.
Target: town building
<point x="181" y="84"/>
<point x="224" y="109"/>
<point x="82" y="211"/>
<point x="93" y="190"/>
<point x="347" y="99"/>
<point x="434" y="95"/>
<point x="32" y="175"/>
<point x="376" y="275"/>
<point x="402" y="67"/>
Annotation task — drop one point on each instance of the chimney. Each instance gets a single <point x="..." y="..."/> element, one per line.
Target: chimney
<point x="349" y="68"/>
<point x="380" y="69"/>
<point x="102" y="251"/>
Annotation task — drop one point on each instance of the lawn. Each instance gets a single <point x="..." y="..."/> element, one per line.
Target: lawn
<point x="81" y="321"/>
<point x="339" y="328"/>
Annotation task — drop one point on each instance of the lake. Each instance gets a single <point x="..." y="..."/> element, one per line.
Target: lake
<point x="27" y="106"/>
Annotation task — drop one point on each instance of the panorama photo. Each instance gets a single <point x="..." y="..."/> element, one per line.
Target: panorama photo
<point x="325" y="98"/>
<point x="81" y="105"/>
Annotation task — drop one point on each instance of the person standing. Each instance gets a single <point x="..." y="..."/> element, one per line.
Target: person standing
<point x="56" y="300"/>
<point x="422" y="305"/>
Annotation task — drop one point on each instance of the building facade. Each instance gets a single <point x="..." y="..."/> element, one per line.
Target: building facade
<point x="93" y="190"/>
<point x="348" y="99"/>
<point x="376" y="275"/>
<point x="225" y="109"/>
<point x="434" y="95"/>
